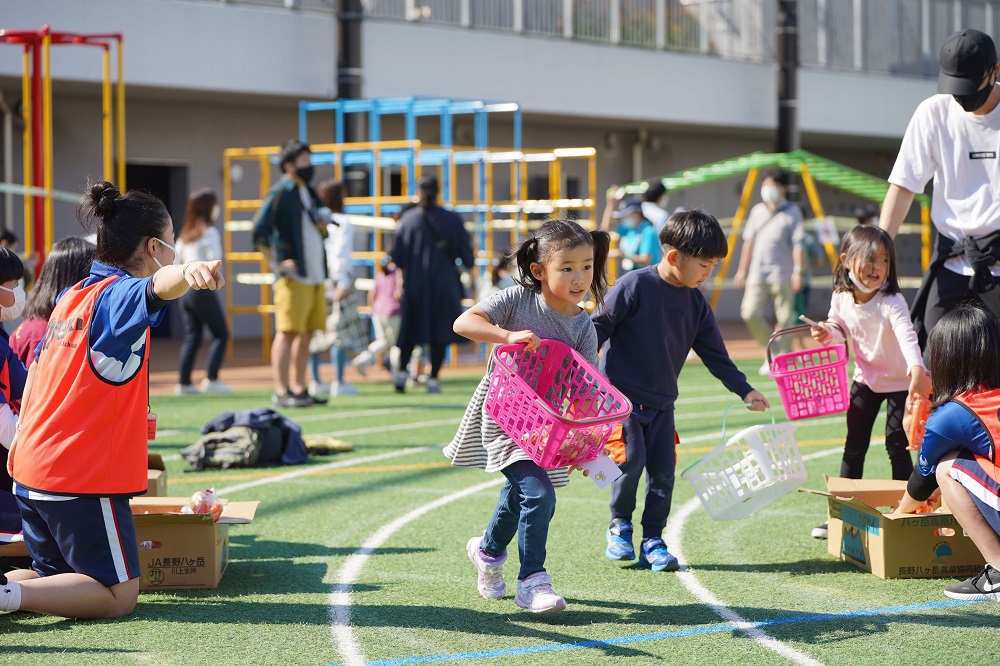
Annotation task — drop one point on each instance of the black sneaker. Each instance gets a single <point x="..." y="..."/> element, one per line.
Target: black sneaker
<point x="984" y="586"/>
<point x="821" y="532"/>
<point x="290" y="400"/>
<point x="313" y="399"/>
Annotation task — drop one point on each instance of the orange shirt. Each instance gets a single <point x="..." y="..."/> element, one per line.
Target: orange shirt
<point x="81" y="433"/>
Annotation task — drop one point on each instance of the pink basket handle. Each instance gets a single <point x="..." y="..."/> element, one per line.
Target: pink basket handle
<point x="498" y="357"/>
<point x="802" y="328"/>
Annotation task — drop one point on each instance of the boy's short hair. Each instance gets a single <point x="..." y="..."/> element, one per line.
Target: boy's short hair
<point x="654" y="190"/>
<point x="291" y="152"/>
<point x="695" y="233"/>
<point x="778" y="175"/>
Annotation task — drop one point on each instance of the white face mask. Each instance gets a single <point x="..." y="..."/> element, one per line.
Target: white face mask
<point x="14" y="311"/>
<point x="862" y="288"/>
<point x="216" y="211"/>
<point x="770" y="194"/>
<point x="172" y="261"/>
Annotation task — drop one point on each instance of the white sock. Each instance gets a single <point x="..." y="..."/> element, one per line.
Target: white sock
<point x="10" y="596"/>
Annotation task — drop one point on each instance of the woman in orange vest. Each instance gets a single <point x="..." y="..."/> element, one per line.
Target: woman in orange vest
<point x="80" y="451"/>
<point x="959" y="449"/>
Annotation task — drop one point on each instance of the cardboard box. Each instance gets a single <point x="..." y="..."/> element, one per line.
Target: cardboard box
<point x="183" y="551"/>
<point x="156" y="476"/>
<point x="862" y="532"/>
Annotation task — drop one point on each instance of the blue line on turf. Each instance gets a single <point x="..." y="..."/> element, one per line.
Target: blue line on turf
<point x="693" y="631"/>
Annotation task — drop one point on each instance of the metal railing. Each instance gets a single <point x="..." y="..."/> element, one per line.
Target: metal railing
<point x="880" y="36"/>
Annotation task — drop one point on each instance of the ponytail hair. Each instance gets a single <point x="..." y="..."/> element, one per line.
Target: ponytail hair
<point x="559" y="235"/>
<point x="123" y="222"/>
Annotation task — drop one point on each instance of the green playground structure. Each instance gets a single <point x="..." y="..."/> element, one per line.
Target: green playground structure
<point x="812" y="168"/>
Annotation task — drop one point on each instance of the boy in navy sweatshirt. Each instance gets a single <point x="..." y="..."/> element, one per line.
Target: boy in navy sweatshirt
<point x="653" y="317"/>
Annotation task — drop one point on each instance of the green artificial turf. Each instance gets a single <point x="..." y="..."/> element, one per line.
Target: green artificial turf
<point x="414" y="597"/>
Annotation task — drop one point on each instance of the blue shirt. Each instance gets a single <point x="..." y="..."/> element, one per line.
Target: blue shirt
<point x="649" y="326"/>
<point x="951" y="427"/>
<point x="122" y="315"/>
<point x="640" y="240"/>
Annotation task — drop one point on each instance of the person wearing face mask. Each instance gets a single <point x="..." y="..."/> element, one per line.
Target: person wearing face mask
<point x="638" y="244"/>
<point x="199" y="239"/>
<point x="953" y="138"/>
<point x="772" y="261"/>
<point x="289" y="232"/>
<point x="81" y="447"/>
<point x="13" y="373"/>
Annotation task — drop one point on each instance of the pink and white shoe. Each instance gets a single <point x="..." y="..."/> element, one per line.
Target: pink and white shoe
<point x="489" y="569"/>
<point x="536" y="594"/>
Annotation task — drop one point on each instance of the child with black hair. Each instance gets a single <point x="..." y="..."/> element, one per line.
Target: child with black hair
<point x="67" y="263"/>
<point x="13" y="376"/>
<point x="867" y="305"/>
<point x="959" y="449"/>
<point x="558" y="267"/>
<point x="80" y="451"/>
<point x="652" y="318"/>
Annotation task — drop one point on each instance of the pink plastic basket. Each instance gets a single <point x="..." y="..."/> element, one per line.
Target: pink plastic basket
<point x="811" y="382"/>
<point x="554" y="404"/>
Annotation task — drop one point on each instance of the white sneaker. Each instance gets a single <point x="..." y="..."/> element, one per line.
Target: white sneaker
<point x="765" y="370"/>
<point x="319" y="388"/>
<point x="490" y="574"/>
<point x="433" y="385"/>
<point x="186" y="389"/>
<point x="341" y="388"/>
<point x="536" y="594"/>
<point x="214" y="386"/>
<point x="360" y="363"/>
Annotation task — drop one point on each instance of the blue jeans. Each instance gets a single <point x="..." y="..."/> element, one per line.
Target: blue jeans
<point x="649" y="447"/>
<point x="527" y="504"/>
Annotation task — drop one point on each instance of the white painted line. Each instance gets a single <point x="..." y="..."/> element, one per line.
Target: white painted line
<point x="673" y="534"/>
<point x="222" y="492"/>
<point x="340" y="599"/>
<point x="400" y="426"/>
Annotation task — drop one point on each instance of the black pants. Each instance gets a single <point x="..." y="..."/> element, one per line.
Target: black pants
<point x="201" y="308"/>
<point x="861" y="415"/>
<point x="437" y="353"/>
<point x="950" y="290"/>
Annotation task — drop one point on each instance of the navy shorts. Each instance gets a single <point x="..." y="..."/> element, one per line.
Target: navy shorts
<point x="978" y="476"/>
<point x="94" y="536"/>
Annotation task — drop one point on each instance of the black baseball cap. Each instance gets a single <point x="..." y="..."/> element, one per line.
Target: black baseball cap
<point x="965" y="57"/>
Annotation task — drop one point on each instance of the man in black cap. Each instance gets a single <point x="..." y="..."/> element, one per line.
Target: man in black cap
<point x="954" y="138"/>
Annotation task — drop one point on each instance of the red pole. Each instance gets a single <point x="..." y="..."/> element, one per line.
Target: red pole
<point x="37" y="144"/>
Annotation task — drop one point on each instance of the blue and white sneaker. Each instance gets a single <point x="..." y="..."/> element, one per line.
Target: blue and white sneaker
<point x="620" y="540"/>
<point x="653" y="553"/>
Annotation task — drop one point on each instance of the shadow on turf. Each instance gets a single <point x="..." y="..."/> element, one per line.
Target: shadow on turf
<point x="800" y="568"/>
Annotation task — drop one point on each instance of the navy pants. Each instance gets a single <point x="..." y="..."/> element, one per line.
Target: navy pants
<point x="527" y="504"/>
<point x="861" y="415"/>
<point x="649" y="447"/>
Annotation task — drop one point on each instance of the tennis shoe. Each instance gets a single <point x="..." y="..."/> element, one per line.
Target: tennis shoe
<point x="620" y="540"/>
<point x="653" y="553"/>
<point x="535" y="593"/>
<point x="984" y="586"/>
<point x="488" y="569"/>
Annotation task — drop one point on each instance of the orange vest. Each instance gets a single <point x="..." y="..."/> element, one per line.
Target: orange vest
<point x="985" y="405"/>
<point x="81" y="434"/>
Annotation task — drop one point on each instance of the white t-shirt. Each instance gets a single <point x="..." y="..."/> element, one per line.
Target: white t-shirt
<point x="961" y="151"/>
<point x="339" y="245"/>
<point x="885" y="346"/>
<point x="312" y="243"/>
<point x="206" y="248"/>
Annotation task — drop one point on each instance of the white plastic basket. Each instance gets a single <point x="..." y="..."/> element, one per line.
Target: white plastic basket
<point x="749" y="471"/>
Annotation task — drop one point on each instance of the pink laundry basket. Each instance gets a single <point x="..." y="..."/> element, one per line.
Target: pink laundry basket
<point x="554" y="404"/>
<point x="811" y="382"/>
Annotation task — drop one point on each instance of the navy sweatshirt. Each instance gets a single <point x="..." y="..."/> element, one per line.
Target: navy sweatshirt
<point x="650" y="326"/>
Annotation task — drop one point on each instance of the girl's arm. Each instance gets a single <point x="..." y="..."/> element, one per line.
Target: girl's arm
<point x="172" y="282"/>
<point x="476" y="325"/>
<point x="902" y="328"/>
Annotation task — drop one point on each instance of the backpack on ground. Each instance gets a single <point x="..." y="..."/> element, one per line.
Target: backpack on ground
<point x="238" y="446"/>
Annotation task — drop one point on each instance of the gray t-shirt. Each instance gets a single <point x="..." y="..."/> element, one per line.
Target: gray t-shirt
<point x="520" y="309"/>
<point x="774" y="234"/>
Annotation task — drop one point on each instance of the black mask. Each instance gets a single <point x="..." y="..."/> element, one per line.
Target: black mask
<point x="305" y="174"/>
<point x="976" y="100"/>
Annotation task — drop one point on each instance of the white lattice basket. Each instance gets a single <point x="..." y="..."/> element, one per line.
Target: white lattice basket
<point x="751" y="470"/>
